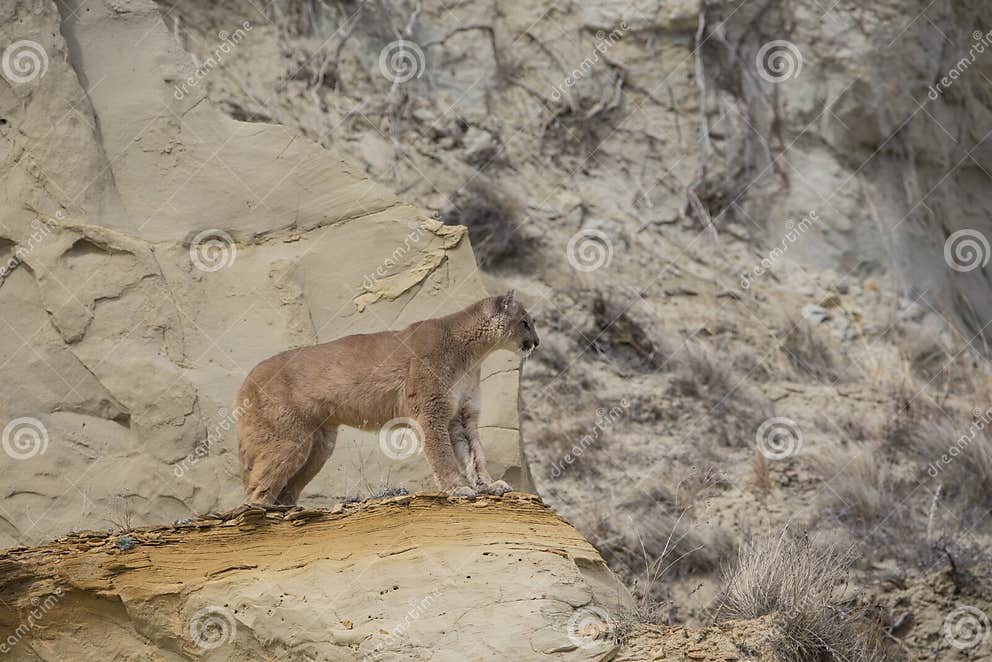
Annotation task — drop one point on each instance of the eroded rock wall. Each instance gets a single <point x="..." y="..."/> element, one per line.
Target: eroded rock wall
<point x="154" y="250"/>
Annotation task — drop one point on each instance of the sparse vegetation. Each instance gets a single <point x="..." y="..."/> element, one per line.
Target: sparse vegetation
<point x="956" y="455"/>
<point x="121" y="515"/>
<point x="628" y="342"/>
<point x="809" y="353"/>
<point x="493" y="217"/>
<point x="861" y="489"/>
<point x="655" y="536"/>
<point x="731" y="408"/>
<point x="803" y="586"/>
<point x="382" y="492"/>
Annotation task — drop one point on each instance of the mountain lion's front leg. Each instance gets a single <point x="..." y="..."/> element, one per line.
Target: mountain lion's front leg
<point x="483" y="481"/>
<point x="433" y="412"/>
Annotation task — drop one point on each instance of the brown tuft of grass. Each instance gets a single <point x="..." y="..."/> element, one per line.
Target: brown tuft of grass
<point x="762" y="476"/>
<point x="493" y="217"/>
<point x="803" y="587"/>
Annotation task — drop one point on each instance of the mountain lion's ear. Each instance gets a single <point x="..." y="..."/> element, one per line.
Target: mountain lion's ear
<point x="503" y="303"/>
<point x="506" y="301"/>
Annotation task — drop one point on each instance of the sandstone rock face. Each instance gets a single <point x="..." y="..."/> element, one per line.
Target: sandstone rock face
<point x="408" y="578"/>
<point x="153" y="250"/>
<point x="878" y="124"/>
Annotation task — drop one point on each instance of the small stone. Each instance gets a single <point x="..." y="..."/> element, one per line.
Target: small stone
<point x="815" y="314"/>
<point x="424" y="115"/>
<point x="124" y="543"/>
<point x="480" y="146"/>
<point x="831" y="301"/>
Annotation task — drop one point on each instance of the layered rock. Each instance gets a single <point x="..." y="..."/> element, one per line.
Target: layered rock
<point x="412" y="577"/>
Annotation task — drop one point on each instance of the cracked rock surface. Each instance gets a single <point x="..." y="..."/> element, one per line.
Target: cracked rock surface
<point x="126" y="334"/>
<point x="409" y="577"/>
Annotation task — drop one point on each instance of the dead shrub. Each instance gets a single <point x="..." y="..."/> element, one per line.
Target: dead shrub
<point x="652" y="535"/>
<point x="733" y="410"/>
<point x="626" y="340"/>
<point x="493" y="217"/>
<point x="575" y="449"/>
<point x="803" y="587"/>
<point x="809" y="354"/>
<point x="958" y="456"/>
<point x="925" y="353"/>
<point x="862" y="490"/>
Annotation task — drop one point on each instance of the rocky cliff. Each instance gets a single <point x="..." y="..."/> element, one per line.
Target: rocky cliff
<point x="154" y="250"/>
<point x="404" y="578"/>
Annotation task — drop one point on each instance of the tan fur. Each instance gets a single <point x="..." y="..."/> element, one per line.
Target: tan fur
<point x="428" y="372"/>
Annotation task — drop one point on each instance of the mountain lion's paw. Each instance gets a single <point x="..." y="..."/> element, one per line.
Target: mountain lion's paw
<point x="463" y="491"/>
<point x="497" y="488"/>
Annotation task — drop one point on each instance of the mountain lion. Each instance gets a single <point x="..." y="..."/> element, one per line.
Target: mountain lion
<point x="427" y="372"/>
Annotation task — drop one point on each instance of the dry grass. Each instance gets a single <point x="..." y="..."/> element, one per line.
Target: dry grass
<point x="762" y="476"/>
<point x="121" y="514"/>
<point x="574" y="450"/>
<point x="733" y="411"/>
<point x="493" y="217"/>
<point x="957" y="455"/>
<point x="861" y="489"/>
<point x="809" y="353"/>
<point x="654" y="535"/>
<point x="803" y="586"/>
<point x="628" y="341"/>
<point x="925" y="354"/>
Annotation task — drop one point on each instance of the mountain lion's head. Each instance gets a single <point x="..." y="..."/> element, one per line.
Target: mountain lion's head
<point x="515" y="324"/>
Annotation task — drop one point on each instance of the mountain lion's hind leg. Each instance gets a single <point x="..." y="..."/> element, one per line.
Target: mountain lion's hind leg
<point x="320" y="451"/>
<point x="273" y="454"/>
